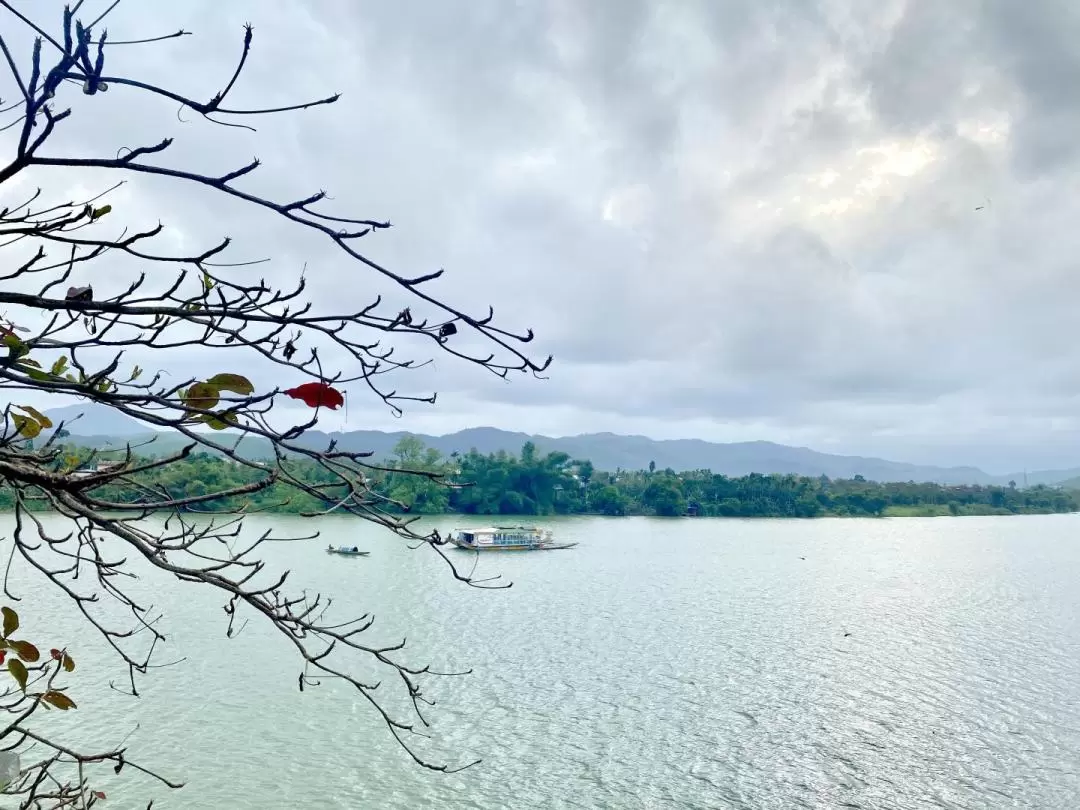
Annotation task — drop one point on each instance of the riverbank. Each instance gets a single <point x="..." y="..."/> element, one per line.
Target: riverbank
<point x="891" y="512"/>
<point x="970" y="510"/>
<point x="533" y="485"/>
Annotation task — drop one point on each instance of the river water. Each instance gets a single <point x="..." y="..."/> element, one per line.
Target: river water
<point x="898" y="664"/>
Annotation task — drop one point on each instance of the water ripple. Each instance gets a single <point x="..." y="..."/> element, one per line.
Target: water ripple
<point x="904" y="665"/>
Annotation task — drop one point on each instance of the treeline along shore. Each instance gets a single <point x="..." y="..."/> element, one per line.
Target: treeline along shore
<point x="531" y="483"/>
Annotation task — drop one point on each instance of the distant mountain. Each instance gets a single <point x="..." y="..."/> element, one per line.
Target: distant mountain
<point x="607" y="451"/>
<point x="1050" y="478"/>
<point x="93" y="419"/>
<point x="1069" y="483"/>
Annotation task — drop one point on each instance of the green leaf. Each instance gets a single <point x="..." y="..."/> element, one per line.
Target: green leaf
<point x="18" y="671"/>
<point x="11" y="620"/>
<point x="60" y="365"/>
<point x="220" y="420"/>
<point x="25" y="650"/>
<point x="68" y="663"/>
<point x="232" y="382"/>
<point x="59" y="700"/>
<point x="26" y="426"/>
<point x="201" y="395"/>
<point x="41" y="418"/>
<point x="98" y="213"/>
<point x="16" y="348"/>
<point x="35" y="374"/>
<point x="135" y="372"/>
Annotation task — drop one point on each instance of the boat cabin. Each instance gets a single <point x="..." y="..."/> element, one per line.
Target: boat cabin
<point x="501" y="537"/>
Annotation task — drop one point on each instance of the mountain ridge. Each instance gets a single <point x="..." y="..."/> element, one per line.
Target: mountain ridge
<point x="606" y="450"/>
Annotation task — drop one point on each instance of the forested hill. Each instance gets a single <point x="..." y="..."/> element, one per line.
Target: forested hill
<point x="536" y="483"/>
<point x="100" y="427"/>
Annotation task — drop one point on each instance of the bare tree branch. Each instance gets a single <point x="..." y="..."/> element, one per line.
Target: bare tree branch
<point x="65" y="338"/>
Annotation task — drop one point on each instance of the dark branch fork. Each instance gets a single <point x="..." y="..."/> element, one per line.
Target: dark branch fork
<point x="66" y="339"/>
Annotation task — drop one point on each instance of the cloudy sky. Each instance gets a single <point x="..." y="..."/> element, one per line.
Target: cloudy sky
<point x="848" y="225"/>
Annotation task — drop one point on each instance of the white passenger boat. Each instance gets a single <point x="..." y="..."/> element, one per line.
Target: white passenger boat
<point x="506" y="538"/>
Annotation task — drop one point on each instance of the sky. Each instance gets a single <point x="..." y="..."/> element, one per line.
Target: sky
<point x="845" y="225"/>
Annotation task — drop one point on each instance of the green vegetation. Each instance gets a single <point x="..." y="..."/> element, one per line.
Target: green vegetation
<point x="535" y="484"/>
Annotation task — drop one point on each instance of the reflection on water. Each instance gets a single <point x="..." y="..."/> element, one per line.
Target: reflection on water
<point x="706" y="664"/>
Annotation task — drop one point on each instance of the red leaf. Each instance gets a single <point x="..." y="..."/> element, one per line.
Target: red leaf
<point x="3" y="655"/>
<point x="99" y="795"/>
<point x="317" y="394"/>
<point x="55" y="653"/>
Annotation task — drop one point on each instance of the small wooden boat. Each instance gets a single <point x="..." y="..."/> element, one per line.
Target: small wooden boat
<point x="346" y="552"/>
<point x="506" y="538"/>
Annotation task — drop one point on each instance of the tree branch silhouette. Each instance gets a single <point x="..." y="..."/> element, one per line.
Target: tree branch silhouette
<point x="63" y="337"/>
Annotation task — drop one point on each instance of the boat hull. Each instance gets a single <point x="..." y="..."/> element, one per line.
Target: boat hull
<point x="506" y="538"/>
<point x="341" y="553"/>
<point x="541" y="547"/>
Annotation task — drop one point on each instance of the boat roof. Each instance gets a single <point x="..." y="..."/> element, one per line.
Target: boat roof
<point x="492" y="529"/>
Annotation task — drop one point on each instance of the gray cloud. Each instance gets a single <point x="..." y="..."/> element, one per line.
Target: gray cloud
<point x="740" y="220"/>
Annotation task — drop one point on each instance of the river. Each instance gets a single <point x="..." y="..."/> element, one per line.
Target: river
<point x="901" y="664"/>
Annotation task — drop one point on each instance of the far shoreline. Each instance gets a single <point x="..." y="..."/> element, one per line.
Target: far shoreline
<point x="891" y="513"/>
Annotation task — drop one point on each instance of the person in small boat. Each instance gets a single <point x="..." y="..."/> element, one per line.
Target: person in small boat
<point x="355" y="548"/>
